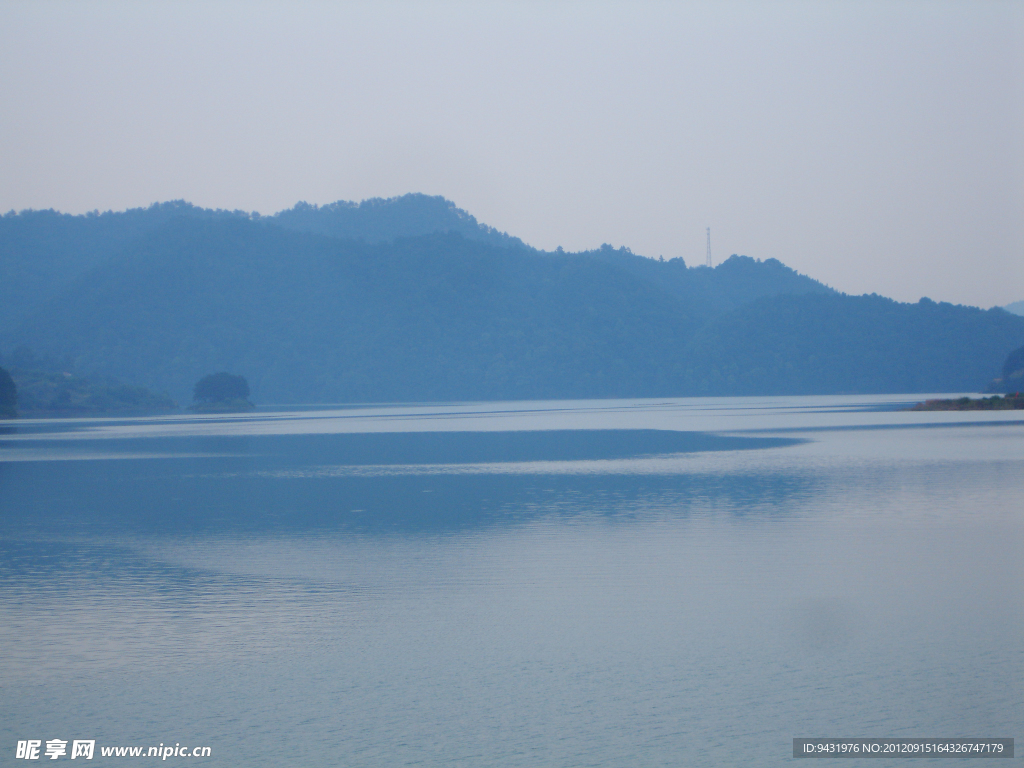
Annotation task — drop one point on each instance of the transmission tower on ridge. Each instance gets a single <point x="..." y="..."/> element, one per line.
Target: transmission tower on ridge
<point x="709" y="246"/>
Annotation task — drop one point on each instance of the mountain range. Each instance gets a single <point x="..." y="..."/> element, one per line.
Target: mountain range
<point x="412" y="299"/>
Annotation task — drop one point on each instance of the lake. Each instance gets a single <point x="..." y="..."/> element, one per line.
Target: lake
<point x="591" y="583"/>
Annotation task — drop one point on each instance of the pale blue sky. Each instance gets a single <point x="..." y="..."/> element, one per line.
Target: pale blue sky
<point x="878" y="147"/>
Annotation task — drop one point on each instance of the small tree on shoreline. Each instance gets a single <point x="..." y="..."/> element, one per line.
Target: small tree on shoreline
<point x="220" y="388"/>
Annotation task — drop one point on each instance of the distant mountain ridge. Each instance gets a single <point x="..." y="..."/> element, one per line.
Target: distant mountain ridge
<point x="380" y="220"/>
<point x="41" y="252"/>
<point x="412" y="299"/>
<point x="314" y="319"/>
<point x="735" y="282"/>
<point x="825" y="343"/>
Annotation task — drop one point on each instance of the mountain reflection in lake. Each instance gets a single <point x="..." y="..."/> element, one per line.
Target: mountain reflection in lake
<point x="685" y="582"/>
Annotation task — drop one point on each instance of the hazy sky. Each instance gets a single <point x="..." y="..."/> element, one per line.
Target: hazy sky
<point x="878" y="147"/>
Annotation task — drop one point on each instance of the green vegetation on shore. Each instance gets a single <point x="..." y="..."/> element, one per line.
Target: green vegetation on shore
<point x="54" y="393"/>
<point x="1009" y="402"/>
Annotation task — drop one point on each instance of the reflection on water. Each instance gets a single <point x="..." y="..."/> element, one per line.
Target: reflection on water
<point x="615" y="583"/>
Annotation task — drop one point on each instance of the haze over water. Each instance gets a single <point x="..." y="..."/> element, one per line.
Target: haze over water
<point x="607" y="583"/>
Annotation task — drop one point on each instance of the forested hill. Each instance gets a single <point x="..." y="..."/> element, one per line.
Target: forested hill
<point x="733" y="283"/>
<point x="42" y="252"/>
<point x="823" y="343"/>
<point x="162" y="296"/>
<point x="380" y="221"/>
<point x="308" y="318"/>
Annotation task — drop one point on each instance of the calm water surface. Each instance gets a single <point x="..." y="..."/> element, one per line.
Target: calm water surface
<point x="592" y="583"/>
